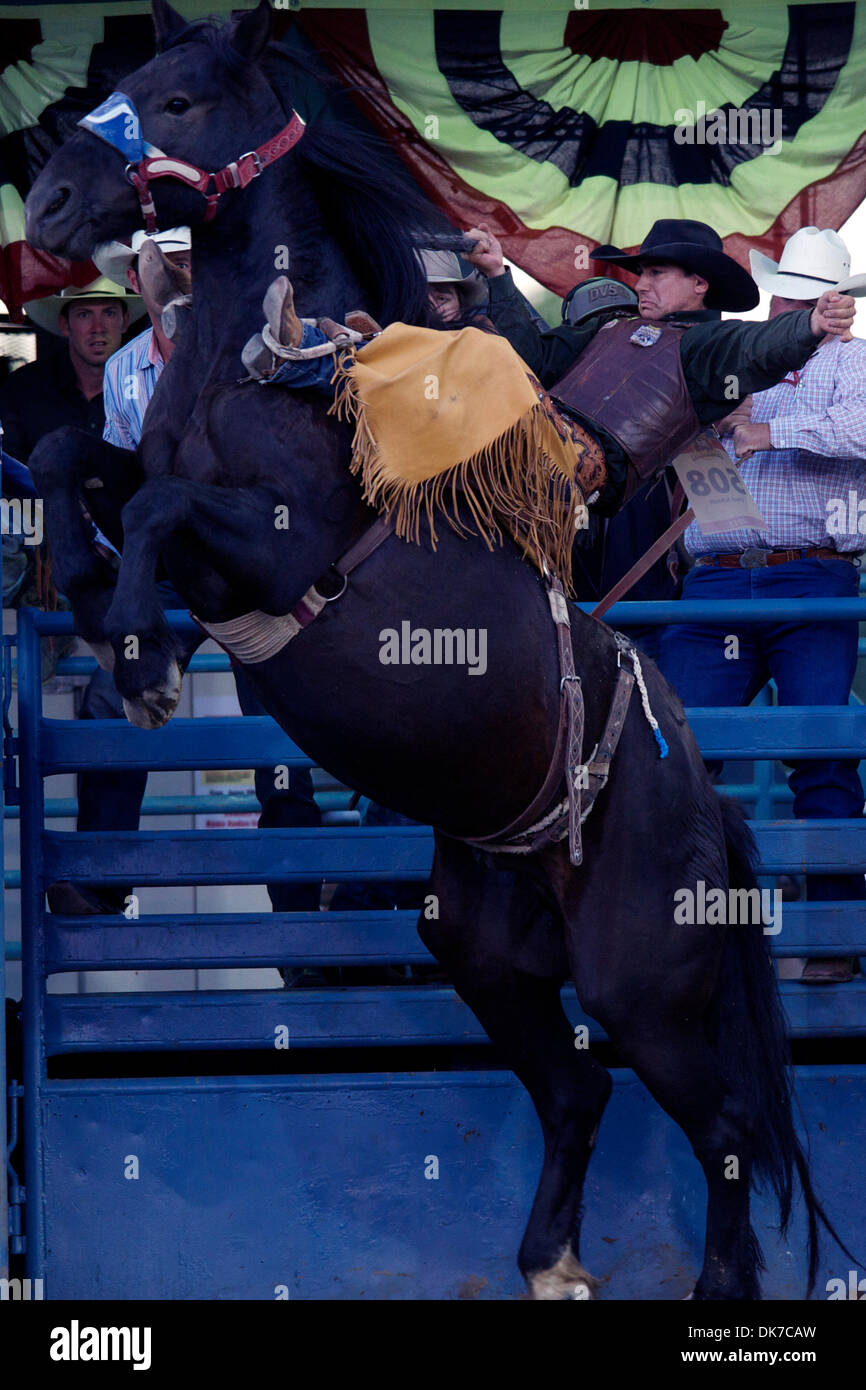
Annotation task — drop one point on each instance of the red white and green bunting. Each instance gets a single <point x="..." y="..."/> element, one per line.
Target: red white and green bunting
<point x="561" y="127"/>
<point x="564" y="128"/>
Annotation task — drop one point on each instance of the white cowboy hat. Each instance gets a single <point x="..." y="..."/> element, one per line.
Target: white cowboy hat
<point x="46" y="312"/>
<point x="113" y="258"/>
<point x="812" y="261"/>
<point x="444" y="268"/>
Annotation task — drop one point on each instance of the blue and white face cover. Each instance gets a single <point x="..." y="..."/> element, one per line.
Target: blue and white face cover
<point x="117" y="122"/>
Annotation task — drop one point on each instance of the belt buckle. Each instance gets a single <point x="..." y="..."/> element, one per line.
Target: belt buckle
<point x="753" y="559"/>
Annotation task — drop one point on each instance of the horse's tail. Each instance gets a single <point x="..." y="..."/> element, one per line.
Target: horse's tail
<point x="751" y="1041"/>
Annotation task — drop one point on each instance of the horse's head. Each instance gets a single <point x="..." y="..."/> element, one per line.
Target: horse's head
<point x="202" y="99"/>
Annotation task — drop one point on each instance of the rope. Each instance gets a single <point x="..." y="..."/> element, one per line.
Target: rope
<point x="625" y="646"/>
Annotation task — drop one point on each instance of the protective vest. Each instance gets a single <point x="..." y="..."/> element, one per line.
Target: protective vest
<point x="629" y="381"/>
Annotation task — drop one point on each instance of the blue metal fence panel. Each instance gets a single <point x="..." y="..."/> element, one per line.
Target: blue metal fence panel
<point x="318" y="1188"/>
<point x="243" y="1177"/>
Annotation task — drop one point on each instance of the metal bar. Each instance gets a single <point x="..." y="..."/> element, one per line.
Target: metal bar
<point x="764" y="771"/>
<point x="397" y="1016"/>
<point x="621" y="615"/>
<point x="735" y="734"/>
<point x="225" y="940"/>
<point x="55" y="623"/>
<point x="72" y="745"/>
<point x="201" y="803"/>
<point x="734" y="614"/>
<point x="208" y="940"/>
<point x="208" y="661"/>
<point x="148" y="857"/>
<point x="364" y="854"/>
<point x="342" y="1081"/>
<point x="33" y="973"/>
<point x="86" y="665"/>
<point x="7" y="1188"/>
<point x="196" y="804"/>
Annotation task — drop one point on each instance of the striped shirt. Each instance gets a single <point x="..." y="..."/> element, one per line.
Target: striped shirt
<point x="809" y="487"/>
<point x="128" y="383"/>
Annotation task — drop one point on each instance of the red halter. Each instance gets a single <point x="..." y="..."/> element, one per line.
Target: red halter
<point x="237" y="174"/>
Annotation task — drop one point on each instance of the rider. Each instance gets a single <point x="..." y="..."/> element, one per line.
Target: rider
<point x="665" y="377"/>
<point x="684" y="280"/>
<point x="456" y="299"/>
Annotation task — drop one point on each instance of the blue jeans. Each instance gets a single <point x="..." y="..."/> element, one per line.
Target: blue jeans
<point x="811" y="663"/>
<point x="314" y="371"/>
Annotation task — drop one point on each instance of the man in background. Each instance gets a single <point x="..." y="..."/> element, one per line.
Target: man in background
<point x="65" y="387"/>
<point x="802" y="447"/>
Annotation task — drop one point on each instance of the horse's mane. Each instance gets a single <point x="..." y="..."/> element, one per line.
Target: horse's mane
<point x="370" y="203"/>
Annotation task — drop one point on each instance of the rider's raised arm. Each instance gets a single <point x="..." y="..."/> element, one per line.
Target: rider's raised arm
<point x="550" y="354"/>
<point x="724" y="362"/>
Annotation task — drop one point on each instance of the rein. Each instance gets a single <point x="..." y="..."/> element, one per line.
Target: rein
<point x="117" y="122"/>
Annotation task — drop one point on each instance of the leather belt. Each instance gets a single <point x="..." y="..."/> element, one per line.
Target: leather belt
<point x="757" y="559"/>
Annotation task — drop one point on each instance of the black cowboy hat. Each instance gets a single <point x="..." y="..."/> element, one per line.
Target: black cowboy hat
<point x="695" y="247"/>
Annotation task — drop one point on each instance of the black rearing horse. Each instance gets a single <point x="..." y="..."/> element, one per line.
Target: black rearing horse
<point x="694" y="1010"/>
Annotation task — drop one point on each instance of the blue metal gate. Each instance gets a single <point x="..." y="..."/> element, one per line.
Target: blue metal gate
<point x="344" y="1176"/>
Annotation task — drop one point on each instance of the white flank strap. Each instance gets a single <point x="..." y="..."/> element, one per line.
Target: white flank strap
<point x="258" y="636"/>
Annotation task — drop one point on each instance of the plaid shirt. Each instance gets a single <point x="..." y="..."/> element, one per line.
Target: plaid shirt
<point x="128" y="382"/>
<point x="817" y="466"/>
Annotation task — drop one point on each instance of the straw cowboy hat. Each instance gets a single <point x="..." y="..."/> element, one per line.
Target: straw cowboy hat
<point x="812" y="262"/>
<point x="697" y="248"/>
<point x="444" y="268"/>
<point x="113" y="258"/>
<point x="46" y="312"/>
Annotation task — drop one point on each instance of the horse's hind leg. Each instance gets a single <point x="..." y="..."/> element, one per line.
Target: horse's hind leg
<point x="502" y="946"/>
<point x="649" y="983"/>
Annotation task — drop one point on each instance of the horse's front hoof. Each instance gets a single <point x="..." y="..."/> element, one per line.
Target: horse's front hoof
<point x="153" y="708"/>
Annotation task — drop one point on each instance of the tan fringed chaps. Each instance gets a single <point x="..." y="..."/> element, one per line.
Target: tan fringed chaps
<point x="455" y="420"/>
